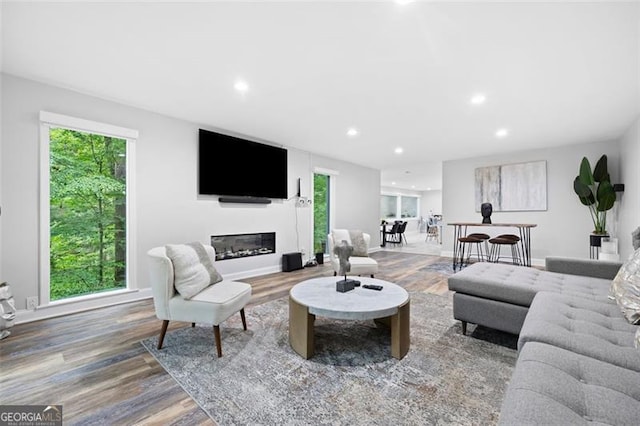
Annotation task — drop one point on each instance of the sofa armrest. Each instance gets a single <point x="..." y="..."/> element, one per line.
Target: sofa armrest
<point x="586" y="267"/>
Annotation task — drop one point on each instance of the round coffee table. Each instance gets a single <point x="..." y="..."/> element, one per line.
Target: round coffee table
<point x="318" y="296"/>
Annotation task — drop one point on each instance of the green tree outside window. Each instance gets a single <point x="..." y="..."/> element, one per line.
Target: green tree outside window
<point x="87" y="213"/>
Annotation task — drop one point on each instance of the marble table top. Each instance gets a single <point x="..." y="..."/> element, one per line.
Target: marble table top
<point x="321" y="297"/>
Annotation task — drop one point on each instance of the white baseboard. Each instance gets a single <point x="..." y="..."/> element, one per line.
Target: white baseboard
<point x="72" y="307"/>
<point x="253" y="273"/>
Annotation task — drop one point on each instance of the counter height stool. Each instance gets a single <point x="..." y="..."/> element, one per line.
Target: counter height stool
<point x="484" y="237"/>
<point x="466" y="244"/>
<point x="505" y="240"/>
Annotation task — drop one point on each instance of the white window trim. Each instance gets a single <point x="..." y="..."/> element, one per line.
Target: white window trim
<point x="50" y="120"/>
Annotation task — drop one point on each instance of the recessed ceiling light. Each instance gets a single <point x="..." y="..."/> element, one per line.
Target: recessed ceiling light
<point x="353" y="132"/>
<point x="413" y="186"/>
<point x="241" y="86"/>
<point x="478" y="99"/>
<point x="398" y="150"/>
<point x="501" y="133"/>
<point x="393" y="183"/>
<point x="428" y="189"/>
<point x="404" y="1"/>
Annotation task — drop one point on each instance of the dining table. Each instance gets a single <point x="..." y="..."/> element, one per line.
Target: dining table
<point x="524" y="231"/>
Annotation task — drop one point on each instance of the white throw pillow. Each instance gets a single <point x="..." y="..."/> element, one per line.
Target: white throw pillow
<point x="359" y="244"/>
<point x="626" y="288"/>
<point x="193" y="268"/>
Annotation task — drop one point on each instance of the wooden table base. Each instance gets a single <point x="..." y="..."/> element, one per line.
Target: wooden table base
<point x="301" y="333"/>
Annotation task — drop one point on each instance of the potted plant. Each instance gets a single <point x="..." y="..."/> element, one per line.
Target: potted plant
<point x="594" y="189"/>
<point x="319" y="250"/>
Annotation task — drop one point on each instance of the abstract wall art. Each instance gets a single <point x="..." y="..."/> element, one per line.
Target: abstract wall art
<point x="512" y="187"/>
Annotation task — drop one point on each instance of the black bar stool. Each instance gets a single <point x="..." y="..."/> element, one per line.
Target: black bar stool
<point x="484" y="238"/>
<point x="505" y="240"/>
<point x="466" y="244"/>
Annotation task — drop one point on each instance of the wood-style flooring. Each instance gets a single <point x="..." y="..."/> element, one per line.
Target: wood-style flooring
<point x="94" y="365"/>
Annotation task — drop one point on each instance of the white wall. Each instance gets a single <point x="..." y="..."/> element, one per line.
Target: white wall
<point x="356" y="196"/>
<point x="168" y="207"/>
<point x="431" y="202"/>
<point x="629" y="213"/>
<point x="1" y="139"/>
<point x="562" y="230"/>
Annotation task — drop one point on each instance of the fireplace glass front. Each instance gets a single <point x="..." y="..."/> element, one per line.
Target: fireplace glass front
<point x="243" y="245"/>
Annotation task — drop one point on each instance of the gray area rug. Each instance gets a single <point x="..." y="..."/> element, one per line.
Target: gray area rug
<point x="444" y="268"/>
<point x="446" y="378"/>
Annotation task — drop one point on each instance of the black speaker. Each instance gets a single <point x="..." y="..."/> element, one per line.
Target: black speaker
<point x="291" y="262"/>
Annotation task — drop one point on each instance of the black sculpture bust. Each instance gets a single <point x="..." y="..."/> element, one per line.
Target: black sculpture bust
<point x="486" y="209"/>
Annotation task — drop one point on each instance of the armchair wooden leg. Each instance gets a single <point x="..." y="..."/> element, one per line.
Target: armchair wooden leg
<point x="193" y="324"/>
<point x="163" y="331"/>
<point x="335" y="273"/>
<point x="244" y="320"/>
<point x="216" y="333"/>
<point x="464" y="327"/>
<point x="372" y="276"/>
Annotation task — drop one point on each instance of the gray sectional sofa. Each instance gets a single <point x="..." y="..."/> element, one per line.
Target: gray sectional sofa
<point x="577" y="363"/>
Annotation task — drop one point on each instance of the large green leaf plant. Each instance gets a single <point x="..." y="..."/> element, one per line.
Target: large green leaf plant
<point x="594" y="189"/>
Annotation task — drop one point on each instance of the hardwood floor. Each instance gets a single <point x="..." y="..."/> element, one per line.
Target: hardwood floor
<point x="93" y="364"/>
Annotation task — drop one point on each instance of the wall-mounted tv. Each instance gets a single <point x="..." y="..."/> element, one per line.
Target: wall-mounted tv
<point x="234" y="166"/>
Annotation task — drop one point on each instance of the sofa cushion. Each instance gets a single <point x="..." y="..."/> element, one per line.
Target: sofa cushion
<point x="363" y="266"/>
<point x="595" y="329"/>
<point x="625" y="288"/>
<point x="227" y="296"/>
<point x="193" y="268"/>
<point x="551" y="385"/>
<point x="518" y="285"/>
<point x="605" y="269"/>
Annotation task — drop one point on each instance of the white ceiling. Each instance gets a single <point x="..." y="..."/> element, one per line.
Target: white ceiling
<point x="553" y="73"/>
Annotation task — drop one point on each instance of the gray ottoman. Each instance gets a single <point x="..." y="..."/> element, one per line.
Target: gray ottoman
<point x="552" y="386"/>
<point x="498" y="296"/>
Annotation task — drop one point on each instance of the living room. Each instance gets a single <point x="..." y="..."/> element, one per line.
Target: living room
<point x="165" y="204"/>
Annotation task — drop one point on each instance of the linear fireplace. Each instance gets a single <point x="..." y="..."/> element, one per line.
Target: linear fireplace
<point x="243" y="245"/>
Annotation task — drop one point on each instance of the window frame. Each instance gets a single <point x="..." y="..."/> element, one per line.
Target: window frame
<point x="398" y="213"/>
<point x="49" y="120"/>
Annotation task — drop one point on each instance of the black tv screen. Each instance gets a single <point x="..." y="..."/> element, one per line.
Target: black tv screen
<point x="234" y="166"/>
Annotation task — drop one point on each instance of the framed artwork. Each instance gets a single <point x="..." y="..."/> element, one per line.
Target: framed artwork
<point x="512" y="187"/>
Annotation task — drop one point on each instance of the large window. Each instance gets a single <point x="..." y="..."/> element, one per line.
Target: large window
<point x="394" y="207"/>
<point x="85" y="193"/>
<point x="408" y="207"/>
<point x="321" y="211"/>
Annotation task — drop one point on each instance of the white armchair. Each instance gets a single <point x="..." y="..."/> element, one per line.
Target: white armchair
<point x="360" y="265"/>
<point x="213" y="305"/>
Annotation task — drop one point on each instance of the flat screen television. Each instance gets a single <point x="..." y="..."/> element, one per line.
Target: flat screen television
<point x="233" y="166"/>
